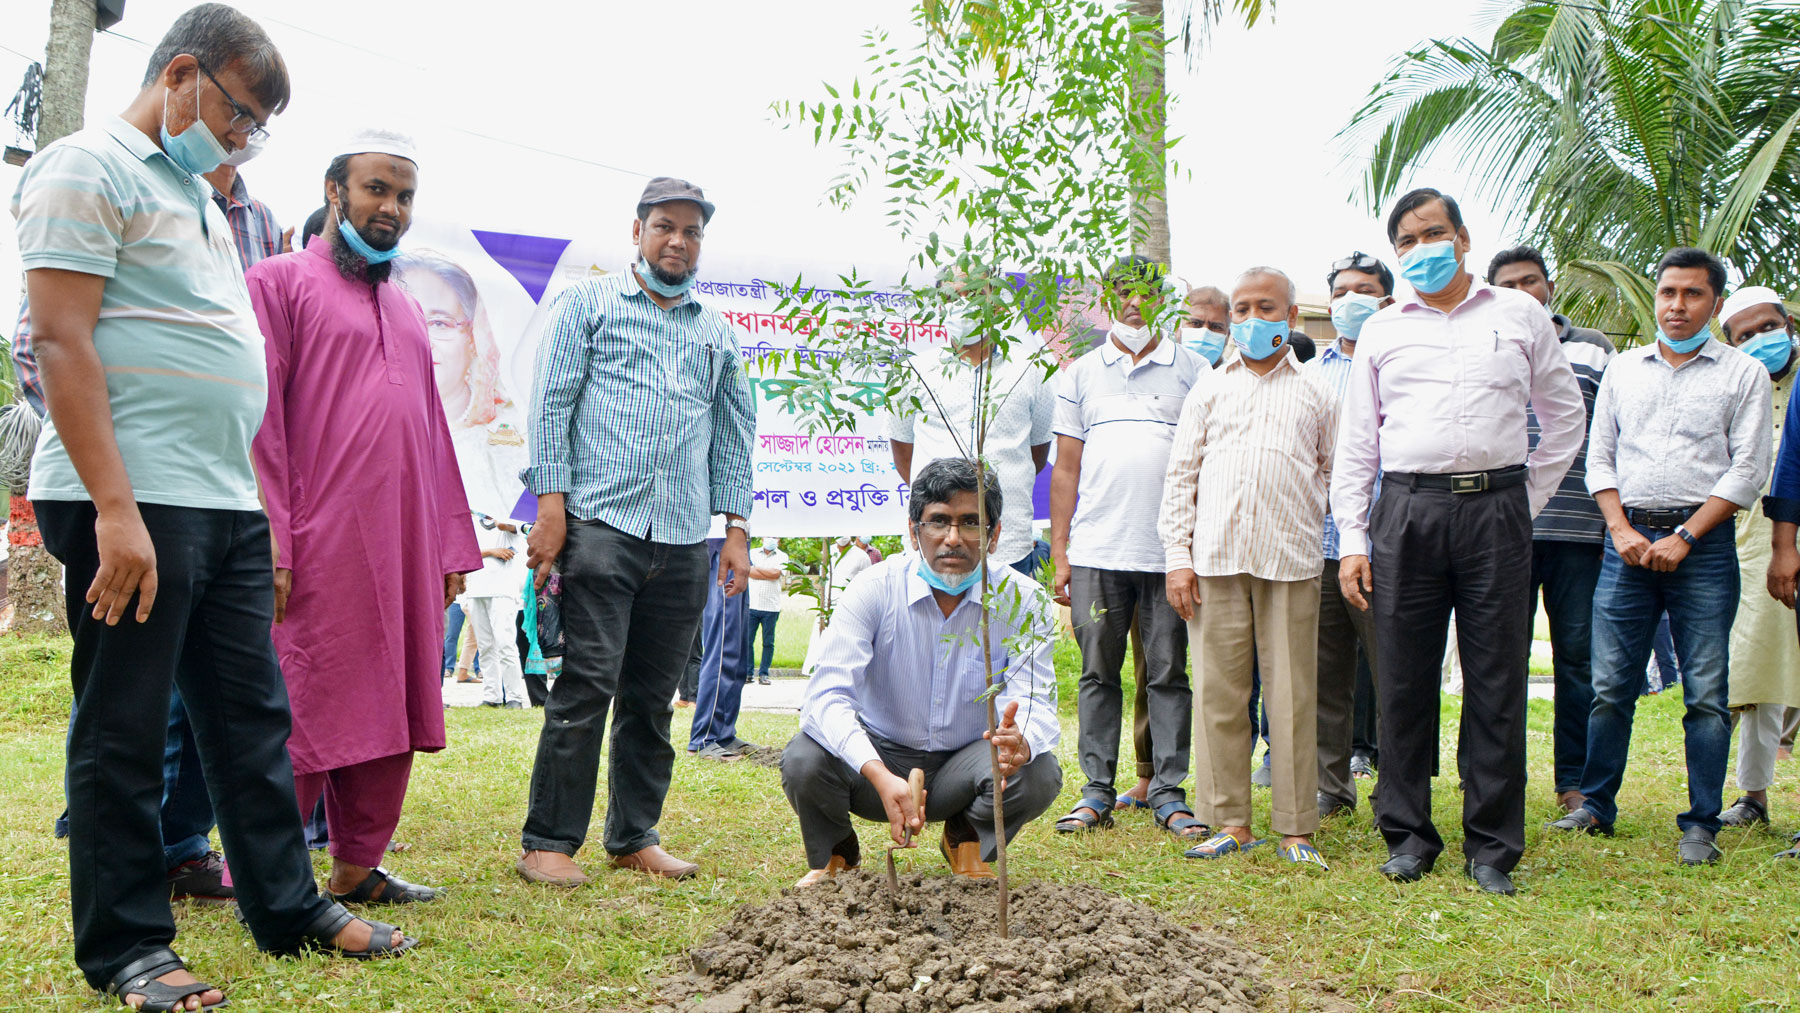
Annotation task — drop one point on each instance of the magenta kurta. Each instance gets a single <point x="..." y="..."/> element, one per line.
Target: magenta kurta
<point x="366" y="505"/>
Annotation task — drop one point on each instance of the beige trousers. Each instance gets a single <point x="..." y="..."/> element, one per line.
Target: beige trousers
<point x="1246" y="621"/>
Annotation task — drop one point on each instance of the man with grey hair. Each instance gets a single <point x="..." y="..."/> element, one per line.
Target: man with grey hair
<point x="359" y="604"/>
<point x="154" y="379"/>
<point x="900" y="685"/>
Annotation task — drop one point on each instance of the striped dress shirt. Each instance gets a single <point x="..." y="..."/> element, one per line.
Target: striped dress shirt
<point x="1245" y="491"/>
<point x="641" y="416"/>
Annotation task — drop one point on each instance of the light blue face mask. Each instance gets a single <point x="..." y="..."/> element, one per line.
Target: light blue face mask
<point x="655" y="284"/>
<point x="1350" y="311"/>
<point x="1204" y="342"/>
<point x="195" y="149"/>
<point x="935" y="579"/>
<point x="1774" y="349"/>
<point x="1685" y="345"/>
<point x="1257" y="338"/>
<point x="360" y="246"/>
<point x="1428" y="267"/>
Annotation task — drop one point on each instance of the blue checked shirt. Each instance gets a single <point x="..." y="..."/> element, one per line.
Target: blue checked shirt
<point x="641" y="416"/>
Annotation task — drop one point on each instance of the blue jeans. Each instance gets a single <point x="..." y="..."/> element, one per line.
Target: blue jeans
<point x="762" y="623"/>
<point x="1701" y="597"/>
<point x="1569" y="572"/>
<point x="1668" y="660"/>
<point x="453" y="625"/>
<point x="723" y="666"/>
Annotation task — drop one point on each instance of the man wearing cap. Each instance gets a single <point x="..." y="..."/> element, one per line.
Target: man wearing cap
<point x="641" y="424"/>
<point x="1765" y="652"/>
<point x="367" y="509"/>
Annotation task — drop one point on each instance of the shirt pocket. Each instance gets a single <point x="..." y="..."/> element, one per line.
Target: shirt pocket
<point x="1497" y="384"/>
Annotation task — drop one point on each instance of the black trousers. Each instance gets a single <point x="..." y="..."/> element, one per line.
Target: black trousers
<point x="1346" y="636"/>
<point x="208" y="634"/>
<point x="1435" y="550"/>
<point x="630" y="609"/>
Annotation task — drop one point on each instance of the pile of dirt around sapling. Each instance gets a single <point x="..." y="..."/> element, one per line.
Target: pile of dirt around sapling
<point x="839" y="946"/>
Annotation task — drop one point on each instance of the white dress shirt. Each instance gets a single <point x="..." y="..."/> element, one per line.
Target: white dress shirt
<point x="497" y="578"/>
<point x="1444" y="393"/>
<point x="1125" y="415"/>
<point x="948" y="414"/>
<point x="892" y="664"/>
<point x="766" y="595"/>
<point x="1671" y="437"/>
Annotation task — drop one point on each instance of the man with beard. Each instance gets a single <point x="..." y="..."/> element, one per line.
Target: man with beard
<point x="367" y="508"/>
<point x="901" y="682"/>
<point x="640" y="427"/>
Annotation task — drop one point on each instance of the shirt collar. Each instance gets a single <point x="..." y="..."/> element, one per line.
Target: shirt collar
<point x="1288" y="361"/>
<point x="240" y="194"/>
<point x="1563" y="326"/>
<point x="135" y="140"/>
<point x="1478" y="289"/>
<point x="1709" y="350"/>
<point x="917" y="590"/>
<point x="1335" y="350"/>
<point x="1163" y="354"/>
<point x="634" y="290"/>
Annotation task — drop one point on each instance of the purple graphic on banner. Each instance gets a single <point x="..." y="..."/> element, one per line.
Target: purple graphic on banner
<point x="530" y="259"/>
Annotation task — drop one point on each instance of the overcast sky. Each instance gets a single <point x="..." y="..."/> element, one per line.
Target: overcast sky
<point x="624" y="94"/>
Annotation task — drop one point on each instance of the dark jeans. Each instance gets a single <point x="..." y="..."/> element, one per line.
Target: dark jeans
<point x="1434" y="551"/>
<point x="825" y="791"/>
<point x="1346" y="636"/>
<point x="1364" y="739"/>
<point x="208" y="635"/>
<point x="689" y="687"/>
<point x="723" y="667"/>
<point x="1105" y="604"/>
<point x="1701" y="597"/>
<point x="761" y="623"/>
<point x="1668" y="659"/>
<point x="1568" y="572"/>
<point x="630" y="609"/>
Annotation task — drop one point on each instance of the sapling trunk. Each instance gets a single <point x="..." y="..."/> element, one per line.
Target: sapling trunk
<point x="987" y="646"/>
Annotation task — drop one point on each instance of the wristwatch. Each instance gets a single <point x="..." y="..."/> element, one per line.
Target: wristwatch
<point x="1686" y="535"/>
<point x="738" y="522"/>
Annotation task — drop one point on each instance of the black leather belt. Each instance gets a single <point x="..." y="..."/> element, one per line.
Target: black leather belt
<point x="1470" y="481"/>
<point x="1665" y="518"/>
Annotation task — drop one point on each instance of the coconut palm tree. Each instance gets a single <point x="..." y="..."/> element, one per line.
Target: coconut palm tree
<point x="1610" y="131"/>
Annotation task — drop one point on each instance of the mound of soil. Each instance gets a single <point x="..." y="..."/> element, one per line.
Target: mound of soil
<point x="841" y="947"/>
<point x="765" y="756"/>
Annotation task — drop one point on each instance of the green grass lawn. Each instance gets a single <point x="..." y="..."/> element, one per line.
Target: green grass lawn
<point x="1598" y="926"/>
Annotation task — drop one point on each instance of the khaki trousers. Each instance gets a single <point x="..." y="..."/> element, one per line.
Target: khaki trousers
<point x="1246" y="621"/>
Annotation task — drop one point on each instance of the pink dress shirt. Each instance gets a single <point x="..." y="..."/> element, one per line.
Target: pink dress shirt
<point x="1445" y="393"/>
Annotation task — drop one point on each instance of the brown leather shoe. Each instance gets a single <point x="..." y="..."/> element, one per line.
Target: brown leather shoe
<point x="965" y="858"/>
<point x="657" y="862"/>
<point x="1570" y="800"/>
<point x="551" y="868"/>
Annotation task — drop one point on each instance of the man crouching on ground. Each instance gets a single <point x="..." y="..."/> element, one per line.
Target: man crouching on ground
<point x="899" y="685"/>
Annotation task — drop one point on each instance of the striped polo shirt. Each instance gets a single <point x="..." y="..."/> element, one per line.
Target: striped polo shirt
<point x="641" y="416"/>
<point x="1125" y="414"/>
<point x="176" y="335"/>
<point x="1572" y="515"/>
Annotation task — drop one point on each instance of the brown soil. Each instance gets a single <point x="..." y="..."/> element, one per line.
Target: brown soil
<point x="841" y="947"/>
<point x="765" y="756"/>
<point x="35" y="583"/>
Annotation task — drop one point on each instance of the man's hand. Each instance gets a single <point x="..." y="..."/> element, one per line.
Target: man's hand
<point x="287" y="240"/>
<point x="545" y="542"/>
<point x="454" y="584"/>
<point x="734" y="562"/>
<point x="284" y="586"/>
<point x="1666" y="554"/>
<point x="127" y="565"/>
<point x="1355" y="580"/>
<point x="1183" y="590"/>
<point x="1784" y="570"/>
<point x="1009" y="743"/>
<point x="896" y="798"/>
<point x="1059" y="584"/>
<point x="503" y="554"/>
<point x="1631" y="546"/>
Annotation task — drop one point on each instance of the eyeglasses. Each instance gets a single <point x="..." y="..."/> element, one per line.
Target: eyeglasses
<point x="939" y="529"/>
<point x="243" y="121"/>
<point x="1358" y="261"/>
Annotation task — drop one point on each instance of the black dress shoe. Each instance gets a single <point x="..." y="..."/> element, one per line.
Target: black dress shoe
<point x="1490" y="879"/>
<point x="1584" y="820"/>
<point x="1406" y="868"/>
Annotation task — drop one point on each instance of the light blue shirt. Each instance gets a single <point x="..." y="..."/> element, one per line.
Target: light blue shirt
<point x="1333" y="367"/>
<point x="640" y="415"/>
<point x="892" y="664"/>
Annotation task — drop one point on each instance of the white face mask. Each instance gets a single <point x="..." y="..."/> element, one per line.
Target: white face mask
<point x="962" y="331"/>
<point x="1132" y="338"/>
<point x="252" y="148"/>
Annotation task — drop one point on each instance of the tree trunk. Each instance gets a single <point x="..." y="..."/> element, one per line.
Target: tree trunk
<point x="1150" y="210"/>
<point x="66" y="69"/>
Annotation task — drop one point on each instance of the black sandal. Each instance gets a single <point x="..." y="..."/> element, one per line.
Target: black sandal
<point x="139" y="978"/>
<point x="1088" y="814"/>
<point x="393" y="890"/>
<point x="319" y="936"/>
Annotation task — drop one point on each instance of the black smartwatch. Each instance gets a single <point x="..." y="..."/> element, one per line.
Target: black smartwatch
<point x="1686" y="535"/>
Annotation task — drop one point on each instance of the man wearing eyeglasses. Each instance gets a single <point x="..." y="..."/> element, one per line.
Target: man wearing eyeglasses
<point x="154" y="377"/>
<point x="902" y="684"/>
<point x="368" y="512"/>
<point x="1436" y="409"/>
<point x="1361" y="286"/>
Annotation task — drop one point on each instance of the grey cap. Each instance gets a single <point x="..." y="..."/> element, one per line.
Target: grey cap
<point x="664" y="189"/>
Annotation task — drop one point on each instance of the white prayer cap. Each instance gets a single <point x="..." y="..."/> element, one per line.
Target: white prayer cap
<point x="1746" y="297"/>
<point x="843" y="541"/>
<point x="379" y="140"/>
